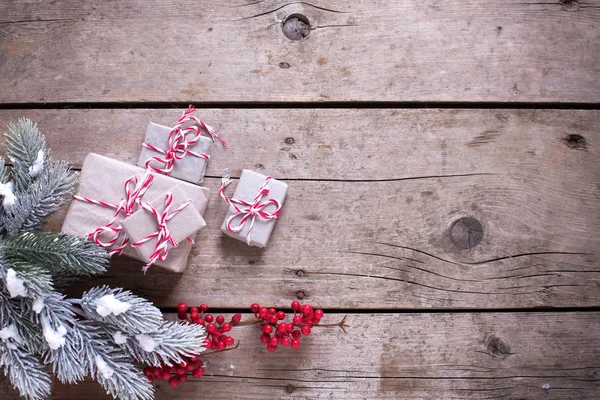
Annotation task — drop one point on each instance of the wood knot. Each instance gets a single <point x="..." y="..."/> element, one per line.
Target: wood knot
<point x="290" y="388"/>
<point x="570" y="5"/>
<point x="466" y="233"/>
<point x="576" y="142"/>
<point x="300" y="294"/>
<point x="300" y="273"/>
<point x="497" y="347"/>
<point x="290" y="141"/>
<point x="296" y="27"/>
<point x="284" y="65"/>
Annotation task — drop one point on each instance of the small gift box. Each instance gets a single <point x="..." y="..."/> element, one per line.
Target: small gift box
<point x="161" y="224"/>
<point x="181" y="154"/>
<point x="110" y="191"/>
<point x="253" y="208"/>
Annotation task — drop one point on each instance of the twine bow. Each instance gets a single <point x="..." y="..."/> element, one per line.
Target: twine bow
<point x="179" y="143"/>
<point x="162" y="235"/>
<point x="134" y="191"/>
<point x="249" y="211"/>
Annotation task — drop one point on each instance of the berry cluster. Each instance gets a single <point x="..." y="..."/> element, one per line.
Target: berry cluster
<point x="275" y="331"/>
<point x="216" y="327"/>
<point x="177" y="373"/>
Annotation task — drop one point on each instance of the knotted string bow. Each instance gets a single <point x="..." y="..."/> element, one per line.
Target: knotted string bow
<point x="249" y="211"/>
<point x="179" y="143"/>
<point x="162" y="235"/>
<point x="134" y="191"/>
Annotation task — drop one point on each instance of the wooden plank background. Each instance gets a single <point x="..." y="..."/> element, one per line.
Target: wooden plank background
<point x="376" y="181"/>
<point x="363" y="50"/>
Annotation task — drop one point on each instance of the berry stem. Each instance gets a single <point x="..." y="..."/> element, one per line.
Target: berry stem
<point x="237" y="345"/>
<point x="342" y="324"/>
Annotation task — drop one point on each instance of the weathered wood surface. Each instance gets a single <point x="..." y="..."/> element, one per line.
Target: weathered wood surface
<point x="406" y="356"/>
<point x="373" y="194"/>
<point x="132" y="51"/>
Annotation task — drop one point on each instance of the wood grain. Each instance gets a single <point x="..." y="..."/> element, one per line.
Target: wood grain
<point x="373" y="195"/>
<point x="235" y="51"/>
<point x="405" y="356"/>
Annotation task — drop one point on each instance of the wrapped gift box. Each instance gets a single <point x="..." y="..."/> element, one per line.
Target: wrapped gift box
<point x="103" y="179"/>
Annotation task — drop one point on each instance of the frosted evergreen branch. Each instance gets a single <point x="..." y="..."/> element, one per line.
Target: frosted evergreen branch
<point x="18" y="312"/>
<point x="121" y="309"/>
<point x="25" y="371"/>
<point x="57" y="253"/>
<point x="111" y="367"/>
<point x="168" y="344"/>
<point x="23" y="145"/>
<point x="43" y="197"/>
<point x="26" y="280"/>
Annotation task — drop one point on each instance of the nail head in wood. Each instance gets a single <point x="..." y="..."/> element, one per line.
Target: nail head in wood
<point x="296" y="27"/>
<point x="466" y="233"/>
<point x="300" y="294"/>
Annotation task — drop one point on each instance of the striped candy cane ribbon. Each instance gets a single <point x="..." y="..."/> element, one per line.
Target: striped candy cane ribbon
<point x="179" y="143"/>
<point x="249" y="210"/>
<point x="134" y="191"/>
<point x="162" y="235"/>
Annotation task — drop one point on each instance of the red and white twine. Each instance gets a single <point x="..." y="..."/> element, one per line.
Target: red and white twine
<point x="162" y="235"/>
<point x="134" y="191"/>
<point x="179" y="143"/>
<point x="249" y="211"/>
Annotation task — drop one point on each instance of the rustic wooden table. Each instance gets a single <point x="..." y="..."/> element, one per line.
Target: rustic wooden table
<point x="444" y="172"/>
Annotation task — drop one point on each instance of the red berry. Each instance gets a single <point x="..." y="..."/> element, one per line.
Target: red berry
<point x="180" y="370"/>
<point x="236" y="318"/>
<point x="305" y="330"/>
<point x="262" y="312"/>
<point x="221" y="346"/>
<point x="203" y="307"/>
<point x="297" y="320"/>
<point x="295" y="344"/>
<point x="194" y="358"/>
<point x="267" y="328"/>
<point x="220" y="319"/>
<point x="182" y="378"/>
<point x="281" y="328"/>
<point x="198" y="373"/>
<point x="296" y="334"/>
<point x="285" y="341"/>
<point x="265" y="338"/>
<point x="273" y="341"/>
<point x="295" y="305"/>
<point x="306" y="309"/>
<point x="272" y="319"/>
<point x="194" y="315"/>
<point x="209" y="318"/>
<point x="226" y="327"/>
<point x="210" y="328"/>
<point x="173" y="382"/>
<point x="290" y="328"/>
<point x="182" y="308"/>
<point x="194" y="310"/>
<point x="254" y="308"/>
<point x="271" y="348"/>
<point x="280" y="315"/>
<point x="272" y="311"/>
<point x="229" y="341"/>
<point x="156" y="372"/>
<point x="148" y="371"/>
<point x="166" y="375"/>
<point x="318" y="315"/>
<point x="190" y="367"/>
<point x="182" y="316"/>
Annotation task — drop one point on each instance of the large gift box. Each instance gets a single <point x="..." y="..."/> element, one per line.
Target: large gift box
<point x="108" y="186"/>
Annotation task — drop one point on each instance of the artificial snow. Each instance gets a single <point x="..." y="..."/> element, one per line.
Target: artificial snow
<point x="10" y="332"/>
<point x="55" y="339"/>
<point x="38" y="304"/>
<point x="14" y="284"/>
<point x="119" y="338"/>
<point x="38" y="165"/>
<point x="103" y="368"/>
<point x="6" y="190"/>
<point x="108" y="304"/>
<point x="146" y="342"/>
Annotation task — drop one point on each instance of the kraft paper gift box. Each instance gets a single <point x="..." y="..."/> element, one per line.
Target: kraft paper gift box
<point x="103" y="179"/>
<point x="256" y="230"/>
<point x="181" y="220"/>
<point x="189" y="168"/>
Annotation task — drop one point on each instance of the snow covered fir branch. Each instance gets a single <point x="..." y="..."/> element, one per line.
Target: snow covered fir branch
<point x="108" y="333"/>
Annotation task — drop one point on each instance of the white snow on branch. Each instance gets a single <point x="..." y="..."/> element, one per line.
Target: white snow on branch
<point x="119" y="338"/>
<point x="10" y="332"/>
<point x="6" y="190"/>
<point x="55" y="339"/>
<point x="38" y="165"/>
<point x="103" y="368"/>
<point x="38" y="304"/>
<point x="146" y="342"/>
<point x="108" y="304"/>
<point x="15" y="284"/>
